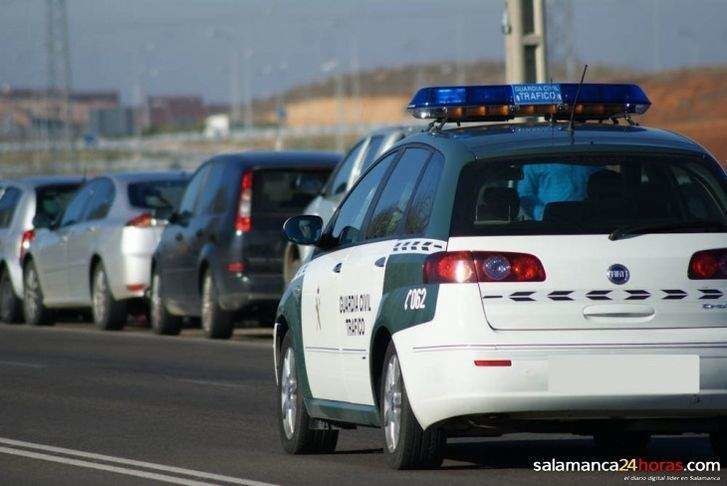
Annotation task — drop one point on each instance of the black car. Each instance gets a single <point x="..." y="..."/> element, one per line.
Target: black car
<point x="220" y="255"/>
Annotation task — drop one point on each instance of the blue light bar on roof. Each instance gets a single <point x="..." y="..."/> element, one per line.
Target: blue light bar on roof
<point x="503" y="102"/>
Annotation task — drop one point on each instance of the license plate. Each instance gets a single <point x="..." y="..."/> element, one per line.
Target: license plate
<point x="624" y="374"/>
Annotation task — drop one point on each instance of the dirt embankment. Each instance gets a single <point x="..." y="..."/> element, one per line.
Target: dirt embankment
<point x="692" y="102"/>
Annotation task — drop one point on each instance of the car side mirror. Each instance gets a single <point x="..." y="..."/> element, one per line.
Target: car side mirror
<point x="303" y="230"/>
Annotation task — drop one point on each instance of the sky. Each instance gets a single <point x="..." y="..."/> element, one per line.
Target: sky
<point x="187" y="46"/>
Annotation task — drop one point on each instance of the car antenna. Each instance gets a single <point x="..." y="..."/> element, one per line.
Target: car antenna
<point x="575" y="100"/>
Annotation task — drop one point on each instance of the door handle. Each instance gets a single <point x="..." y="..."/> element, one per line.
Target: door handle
<point x="337" y="268"/>
<point x="178" y="237"/>
<point x="380" y="262"/>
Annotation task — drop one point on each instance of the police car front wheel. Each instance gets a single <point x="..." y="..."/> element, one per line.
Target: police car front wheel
<point x="296" y="426"/>
<point x="406" y="445"/>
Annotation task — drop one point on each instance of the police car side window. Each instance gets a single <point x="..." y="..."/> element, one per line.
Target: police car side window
<point x="389" y="209"/>
<point x="348" y="225"/>
<point x="420" y="209"/>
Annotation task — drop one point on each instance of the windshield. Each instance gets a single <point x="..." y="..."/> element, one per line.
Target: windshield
<point x="160" y="196"/>
<point x="586" y="195"/>
<point x="286" y="190"/>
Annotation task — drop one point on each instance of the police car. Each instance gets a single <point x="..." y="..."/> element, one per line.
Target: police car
<point x="566" y="275"/>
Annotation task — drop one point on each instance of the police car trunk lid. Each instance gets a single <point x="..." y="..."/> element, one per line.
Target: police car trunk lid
<point x="578" y="294"/>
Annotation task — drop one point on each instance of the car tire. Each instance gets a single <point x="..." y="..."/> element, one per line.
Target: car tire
<point x="162" y="321"/>
<point x="34" y="311"/>
<point x="216" y="322"/>
<point x="11" y="310"/>
<point x="619" y="442"/>
<point x="406" y="444"/>
<point x="294" y="423"/>
<point x="109" y="314"/>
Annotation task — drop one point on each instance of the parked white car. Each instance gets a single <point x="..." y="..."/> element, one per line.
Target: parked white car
<point x="20" y="202"/>
<point x="98" y="253"/>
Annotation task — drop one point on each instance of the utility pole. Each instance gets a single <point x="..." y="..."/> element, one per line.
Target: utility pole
<point x="234" y="87"/>
<point x="59" y="71"/>
<point x="523" y="25"/>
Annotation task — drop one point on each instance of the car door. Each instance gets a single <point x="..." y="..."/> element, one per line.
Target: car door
<point x="82" y="236"/>
<point x="178" y="261"/>
<point x="322" y="310"/>
<point x="50" y="250"/>
<point x="363" y="276"/>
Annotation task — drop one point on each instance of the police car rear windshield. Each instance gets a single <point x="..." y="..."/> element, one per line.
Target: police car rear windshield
<point x="588" y="195"/>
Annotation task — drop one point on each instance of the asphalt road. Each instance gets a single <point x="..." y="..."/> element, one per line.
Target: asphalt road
<point x="134" y="408"/>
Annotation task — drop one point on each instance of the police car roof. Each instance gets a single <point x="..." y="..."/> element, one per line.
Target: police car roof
<point x="485" y="141"/>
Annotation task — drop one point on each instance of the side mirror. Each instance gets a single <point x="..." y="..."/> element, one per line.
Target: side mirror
<point x="303" y="230"/>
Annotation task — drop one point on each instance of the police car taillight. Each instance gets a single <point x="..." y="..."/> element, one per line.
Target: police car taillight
<point x="481" y="266"/>
<point x="708" y="264"/>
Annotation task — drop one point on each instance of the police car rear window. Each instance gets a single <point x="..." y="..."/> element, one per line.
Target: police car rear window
<point x="586" y="195"/>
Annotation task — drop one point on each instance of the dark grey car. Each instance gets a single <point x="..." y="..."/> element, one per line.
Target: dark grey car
<point x="222" y="250"/>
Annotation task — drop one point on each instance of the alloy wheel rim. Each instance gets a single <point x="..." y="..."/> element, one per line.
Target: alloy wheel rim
<point x="99" y="301"/>
<point x="155" y="301"/>
<point x="289" y="393"/>
<point x="31" y="285"/>
<point x="392" y="403"/>
<point x="207" y="304"/>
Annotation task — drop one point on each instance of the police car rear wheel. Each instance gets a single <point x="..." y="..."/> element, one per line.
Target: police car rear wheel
<point x="294" y="422"/>
<point x="407" y="446"/>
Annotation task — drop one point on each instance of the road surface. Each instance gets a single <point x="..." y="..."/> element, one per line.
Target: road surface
<point x="80" y="406"/>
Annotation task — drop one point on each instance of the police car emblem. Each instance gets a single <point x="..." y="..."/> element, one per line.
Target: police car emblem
<point x="618" y="274"/>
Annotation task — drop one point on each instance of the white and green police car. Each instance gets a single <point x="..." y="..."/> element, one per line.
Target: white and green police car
<point x="567" y="275"/>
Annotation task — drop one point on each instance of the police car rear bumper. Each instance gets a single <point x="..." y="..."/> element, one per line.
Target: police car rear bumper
<point x="452" y="386"/>
<point x="443" y="382"/>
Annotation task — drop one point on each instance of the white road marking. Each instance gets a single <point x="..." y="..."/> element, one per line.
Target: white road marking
<point x="211" y="382"/>
<point x="102" y="467"/>
<point x="22" y="364"/>
<point x="118" y="460"/>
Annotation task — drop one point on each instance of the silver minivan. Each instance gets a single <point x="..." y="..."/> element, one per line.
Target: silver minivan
<point x="355" y="163"/>
<point x="21" y="201"/>
<point x="98" y="253"/>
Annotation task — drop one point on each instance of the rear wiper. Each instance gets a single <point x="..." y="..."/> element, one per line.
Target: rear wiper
<point x="707" y="225"/>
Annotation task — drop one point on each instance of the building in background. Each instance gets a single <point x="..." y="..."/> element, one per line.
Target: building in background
<point x="30" y="114"/>
<point x="175" y="112"/>
<point x="111" y="122"/>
